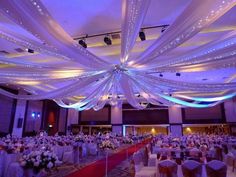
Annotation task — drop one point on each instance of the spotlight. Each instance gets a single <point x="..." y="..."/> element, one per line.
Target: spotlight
<point x="30" y="50"/>
<point x="142" y="36"/>
<point x="107" y="40"/>
<point x="163" y="29"/>
<point x="178" y="74"/>
<point x="161" y="75"/>
<point x="83" y="43"/>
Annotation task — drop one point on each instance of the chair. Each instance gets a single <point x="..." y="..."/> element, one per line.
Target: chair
<point x="68" y="157"/>
<point x="219" y="153"/>
<point x="138" y="168"/>
<point x="152" y="160"/>
<point x="14" y="170"/>
<point x="194" y="152"/>
<point x="191" y="168"/>
<point x="138" y="163"/>
<point x="167" y="168"/>
<point x="216" y="168"/>
<point x="92" y="149"/>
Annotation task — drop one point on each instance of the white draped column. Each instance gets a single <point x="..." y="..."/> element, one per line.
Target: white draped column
<point x="116" y="119"/>
<point x="19" y="117"/>
<point x="73" y="118"/>
<point x="175" y="121"/>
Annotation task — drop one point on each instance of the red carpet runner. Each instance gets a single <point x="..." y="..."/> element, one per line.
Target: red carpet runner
<point x="97" y="169"/>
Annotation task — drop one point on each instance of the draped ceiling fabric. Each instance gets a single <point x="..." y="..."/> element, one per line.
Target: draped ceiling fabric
<point x="75" y="77"/>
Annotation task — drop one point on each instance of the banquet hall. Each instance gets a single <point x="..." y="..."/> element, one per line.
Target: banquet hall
<point x="118" y="88"/>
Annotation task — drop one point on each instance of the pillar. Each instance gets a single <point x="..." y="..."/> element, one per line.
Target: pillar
<point x="19" y="118"/>
<point x="175" y="121"/>
<point x="230" y="110"/>
<point x="116" y="120"/>
<point x="73" y="118"/>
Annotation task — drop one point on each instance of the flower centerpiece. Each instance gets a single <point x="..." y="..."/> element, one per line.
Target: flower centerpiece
<point x="106" y="144"/>
<point x="38" y="160"/>
<point x="79" y="139"/>
<point x="127" y="140"/>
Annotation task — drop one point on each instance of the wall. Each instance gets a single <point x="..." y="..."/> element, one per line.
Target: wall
<point x="62" y="120"/>
<point x="33" y="123"/>
<point x="7" y="112"/>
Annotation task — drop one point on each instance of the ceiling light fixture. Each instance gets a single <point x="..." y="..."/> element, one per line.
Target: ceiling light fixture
<point x="178" y="74"/>
<point x="163" y="28"/>
<point x="107" y="40"/>
<point x="30" y="50"/>
<point x="142" y="35"/>
<point x="83" y="43"/>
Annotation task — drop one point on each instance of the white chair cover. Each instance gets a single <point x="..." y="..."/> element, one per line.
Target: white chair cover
<point x="92" y="148"/>
<point x="194" y="152"/>
<point x="2" y="154"/>
<point x="216" y="168"/>
<point x="167" y="168"/>
<point x="84" y="150"/>
<point x="152" y="161"/>
<point x="14" y="170"/>
<point x="59" y="150"/>
<point x="68" y="157"/>
<point x="191" y="168"/>
<point x="8" y="159"/>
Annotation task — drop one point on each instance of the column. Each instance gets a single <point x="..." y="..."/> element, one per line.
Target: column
<point x="175" y="121"/>
<point x="230" y="114"/>
<point x="116" y="120"/>
<point x="19" y="118"/>
<point x="230" y="110"/>
<point x="73" y="118"/>
<point x="62" y="120"/>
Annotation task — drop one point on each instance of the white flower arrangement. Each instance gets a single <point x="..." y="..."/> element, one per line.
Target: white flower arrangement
<point x="79" y="138"/>
<point x="127" y="140"/>
<point x="38" y="160"/>
<point x="106" y="144"/>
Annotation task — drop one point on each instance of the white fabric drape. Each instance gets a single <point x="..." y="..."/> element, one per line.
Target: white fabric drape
<point x="94" y="82"/>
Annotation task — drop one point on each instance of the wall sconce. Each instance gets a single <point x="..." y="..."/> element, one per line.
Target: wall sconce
<point x="33" y="114"/>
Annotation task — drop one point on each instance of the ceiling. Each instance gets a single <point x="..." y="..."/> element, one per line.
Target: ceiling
<point x="91" y="17"/>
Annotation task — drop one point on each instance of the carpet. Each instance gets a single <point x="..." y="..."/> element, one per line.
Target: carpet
<point x="97" y="169"/>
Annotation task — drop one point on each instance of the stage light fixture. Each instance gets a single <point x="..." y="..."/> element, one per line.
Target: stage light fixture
<point x="30" y="50"/>
<point x="142" y="36"/>
<point x="163" y="29"/>
<point x="83" y="43"/>
<point x="178" y="74"/>
<point x="107" y="40"/>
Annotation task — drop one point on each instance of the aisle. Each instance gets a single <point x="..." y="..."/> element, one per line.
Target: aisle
<point x="97" y="169"/>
